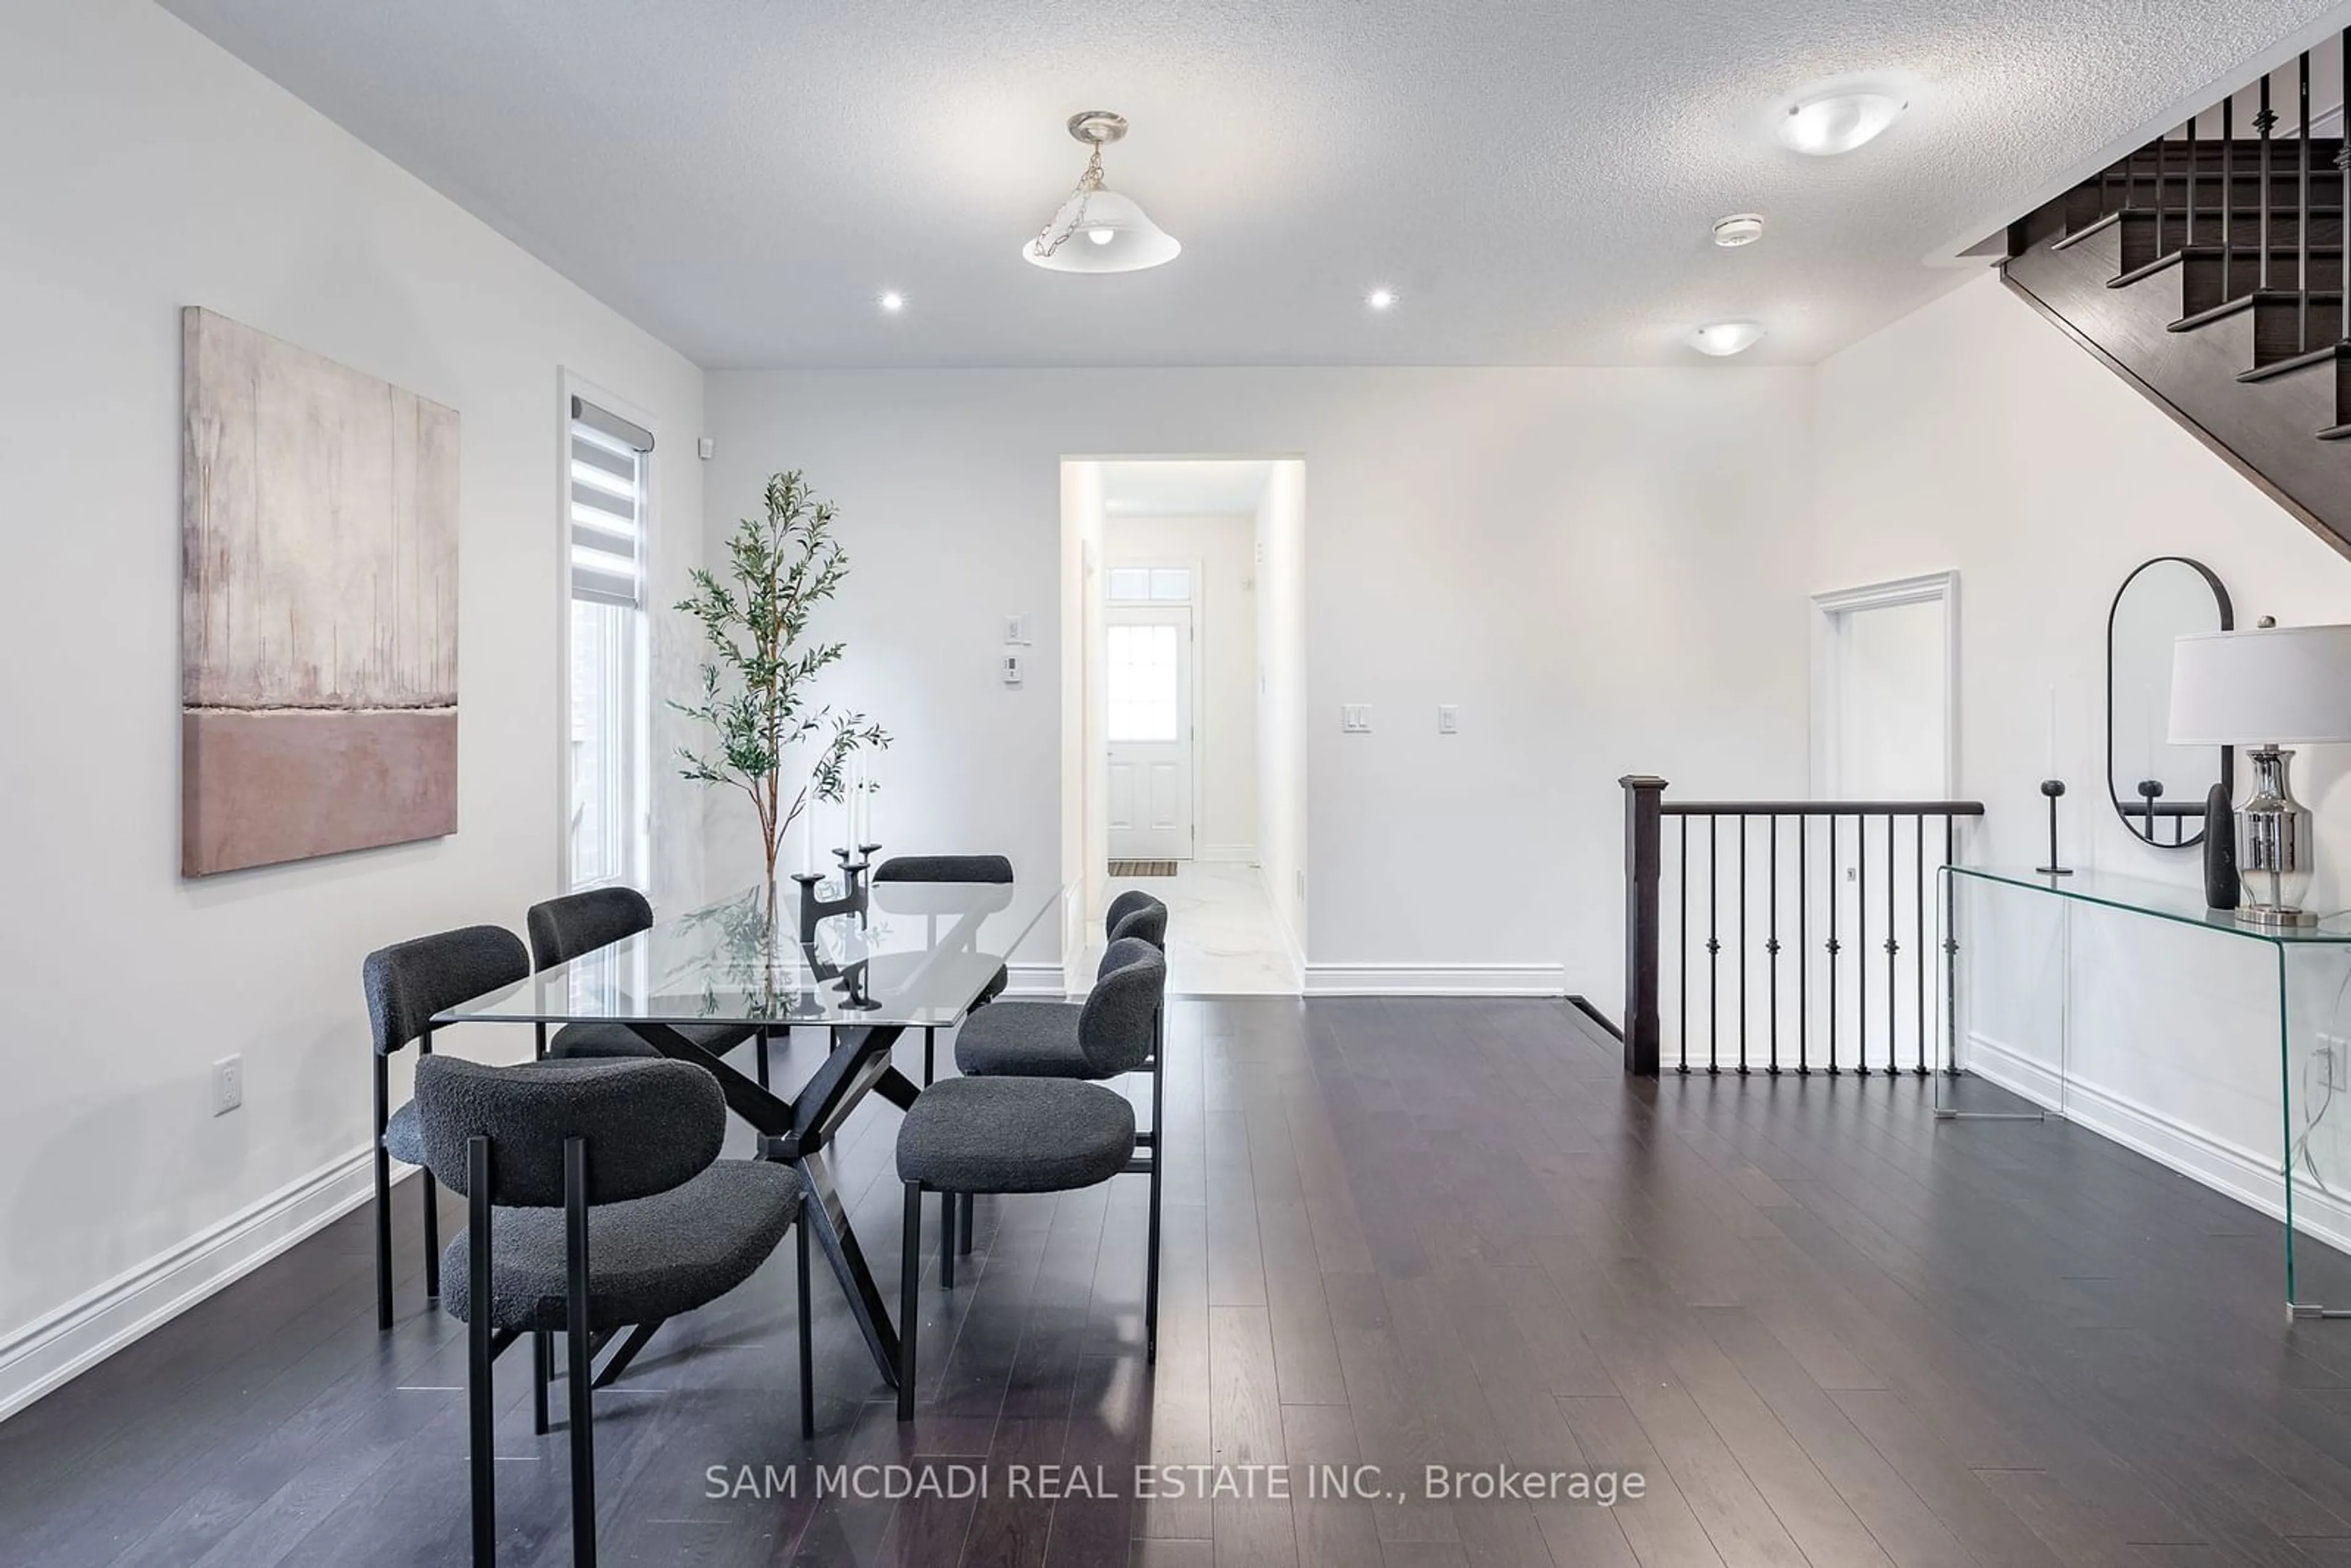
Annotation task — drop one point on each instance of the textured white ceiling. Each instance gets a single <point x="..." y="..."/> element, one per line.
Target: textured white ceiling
<point x="1183" y="487"/>
<point x="1535" y="179"/>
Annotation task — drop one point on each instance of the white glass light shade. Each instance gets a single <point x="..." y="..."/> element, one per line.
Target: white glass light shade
<point x="1135" y="242"/>
<point x="1721" y="338"/>
<point x="2287" y="685"/>
<point x="1839" y="122"/>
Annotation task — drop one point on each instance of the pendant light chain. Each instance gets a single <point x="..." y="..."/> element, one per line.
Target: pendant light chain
<point x="1049" y="242"/>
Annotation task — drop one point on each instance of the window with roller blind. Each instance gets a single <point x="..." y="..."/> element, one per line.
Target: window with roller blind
<point x="606" y="774"/>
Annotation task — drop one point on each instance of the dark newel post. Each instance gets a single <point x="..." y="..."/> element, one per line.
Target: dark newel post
<point x="1644" y="858"/>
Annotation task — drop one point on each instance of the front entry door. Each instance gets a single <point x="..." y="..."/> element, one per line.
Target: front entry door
<point x="1149" y="728"/>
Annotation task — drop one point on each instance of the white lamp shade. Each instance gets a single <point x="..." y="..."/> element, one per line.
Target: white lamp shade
<point x="1133" y="242"/>
<point x="2288" y="685"/>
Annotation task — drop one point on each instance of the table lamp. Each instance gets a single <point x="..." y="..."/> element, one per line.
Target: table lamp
<point x="2265" y="690"/>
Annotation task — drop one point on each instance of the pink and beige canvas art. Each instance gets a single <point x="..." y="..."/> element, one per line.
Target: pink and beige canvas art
<point x="318" y="617"/>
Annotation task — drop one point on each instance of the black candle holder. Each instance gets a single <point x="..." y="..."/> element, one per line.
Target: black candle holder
<point x="2150" y="791"/>
<point x="2054" y="788"/>
<point x="856" y="895"/>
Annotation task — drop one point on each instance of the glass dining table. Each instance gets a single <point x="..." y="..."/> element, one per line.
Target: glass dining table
<point x="919" y="956"/>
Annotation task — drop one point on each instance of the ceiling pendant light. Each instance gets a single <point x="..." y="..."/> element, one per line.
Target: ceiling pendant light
<point x="1723" y="337"/>
<point x="1838" y="123"/>
<point x="1096" y="229"/>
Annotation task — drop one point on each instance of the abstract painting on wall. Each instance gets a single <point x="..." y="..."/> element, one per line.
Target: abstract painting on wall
<point x="319" y="614"/>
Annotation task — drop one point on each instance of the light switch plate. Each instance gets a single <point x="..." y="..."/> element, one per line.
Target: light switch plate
<point x="1016" y="630"/>
<point x="1448" y="719"/>
<point x="1355" y="719"/>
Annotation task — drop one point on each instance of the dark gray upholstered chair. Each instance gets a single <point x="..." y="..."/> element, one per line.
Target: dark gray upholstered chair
<point x="1136" y="913"/>
<point x="1002" y="1135"/>
<point x="562" y="929"/>
<point x="1089" y="1040"/>
<point x="596" y="1201"/>
<point x="406" y="984"/>
<point x="950" y="868"/>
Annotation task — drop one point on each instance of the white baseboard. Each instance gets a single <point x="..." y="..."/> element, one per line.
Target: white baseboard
<point x="2243" y="1173"/>
<point x="1229" y="854"/>
<point x="1278" y="901"/>
<point x="1435" y="980"/>
<point x="1037" y="979"/>
<point x="93" y="1326"/>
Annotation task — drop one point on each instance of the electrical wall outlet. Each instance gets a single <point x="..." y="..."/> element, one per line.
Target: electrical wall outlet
<point x="1355" y="719"/>
<point x="2333" y="1055"/>
<point x="1302" y="884"/>
<point x="228" y="1084"/>
<point x="1448" y="719"/>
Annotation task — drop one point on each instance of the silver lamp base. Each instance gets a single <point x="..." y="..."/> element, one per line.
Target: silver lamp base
<point x="2275" y="850"/>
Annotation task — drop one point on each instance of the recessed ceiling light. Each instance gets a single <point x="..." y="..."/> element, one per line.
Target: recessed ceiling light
<point x="892" y="301"/>
<point x="1737" y="229"/>
<point x="1381" y="299"/>
<point x="1721" y="338"/>
<point x="1838" y="123"/>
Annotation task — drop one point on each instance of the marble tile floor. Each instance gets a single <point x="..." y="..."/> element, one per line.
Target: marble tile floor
<point x="1222" y="940"/>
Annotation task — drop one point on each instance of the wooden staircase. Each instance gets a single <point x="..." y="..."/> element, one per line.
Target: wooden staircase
<point x="2208" y="268"/>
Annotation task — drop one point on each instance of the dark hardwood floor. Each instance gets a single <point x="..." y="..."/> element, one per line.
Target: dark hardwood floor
<point x="1822" y="1328"/>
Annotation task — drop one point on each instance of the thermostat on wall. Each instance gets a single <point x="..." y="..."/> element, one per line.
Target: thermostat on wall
<point x="1011" y="666"/>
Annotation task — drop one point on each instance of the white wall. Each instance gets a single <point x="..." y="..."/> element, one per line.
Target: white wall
<point x="1973" y="435"/>
<point x="1281" y="717"/>
<point x="1604" y="569"/>
<point x="153" y="171"/>
<point x="1223" y="551"/>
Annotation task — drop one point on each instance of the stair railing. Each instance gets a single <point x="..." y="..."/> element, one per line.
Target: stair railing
<point x="1758" y="881"/>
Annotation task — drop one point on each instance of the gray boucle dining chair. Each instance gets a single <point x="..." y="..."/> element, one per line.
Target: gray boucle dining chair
<point x="596" y="1201"/>
<point x="406" y="984"/>
<point x="1136" y="913"/>
<point x="1114" y="1031"/>
<point x="985" y="869"/>
<point x="577" y="924"/>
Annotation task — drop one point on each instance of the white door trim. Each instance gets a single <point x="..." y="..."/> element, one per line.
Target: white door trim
<point x="1931" y="588"/>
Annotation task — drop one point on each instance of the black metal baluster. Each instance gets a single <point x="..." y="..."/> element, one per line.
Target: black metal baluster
<point x="1950" y="946"/>
<point x="2192" y="184"/>
<point x="2130" y="179"/>
<point x="1742" y="943"/>
<point x="1713" y="942"/>
<point x="1803" y="957"/>
<point x="1861" y="943"/>
<point x="2342" y="194"/>
<point x="1682" y="948"/>
<point x="2227" y="193"/>
<point x="1772" y="942"/>
<point x="2162" y="180"/>
<point x="2302" y="269"/>
<point x="1834" y="902"/>
<point x="1918" y="929"/>
<point x="2264" y="122"/>
<point x="1893" y="951"/>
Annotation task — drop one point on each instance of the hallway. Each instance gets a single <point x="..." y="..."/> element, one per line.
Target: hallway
<point x="1222" y="937"/>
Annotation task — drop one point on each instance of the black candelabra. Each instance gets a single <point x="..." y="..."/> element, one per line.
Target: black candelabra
<point x="854" y="899"/>
<point x="2054" y="788"/>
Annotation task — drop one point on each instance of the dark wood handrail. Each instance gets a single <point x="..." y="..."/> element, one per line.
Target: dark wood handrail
<point x="1824" y="808"/>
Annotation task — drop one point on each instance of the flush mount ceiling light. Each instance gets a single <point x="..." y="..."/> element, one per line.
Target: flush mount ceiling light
<point x="1381" y="299"/>
<point x="1838" y="123"/>
<point x="892" y="301"/>
<point x="1737" y="229"/>
<point x="1723" y="337"/>
<point x="1096" y="229"/>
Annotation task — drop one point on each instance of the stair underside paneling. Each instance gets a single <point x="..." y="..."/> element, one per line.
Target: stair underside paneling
<point x="2266" y="430"/>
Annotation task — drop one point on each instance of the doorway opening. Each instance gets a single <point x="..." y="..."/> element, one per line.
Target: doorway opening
<point x="1183" y="711"/>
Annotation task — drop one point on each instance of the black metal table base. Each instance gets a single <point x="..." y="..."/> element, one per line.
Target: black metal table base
<point x="798" y="1131"/>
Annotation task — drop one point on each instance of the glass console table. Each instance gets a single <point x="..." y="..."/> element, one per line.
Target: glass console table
<point x="2071" y="985"/>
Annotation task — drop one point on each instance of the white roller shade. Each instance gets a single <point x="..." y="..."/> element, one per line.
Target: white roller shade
<point x="607" y="506"/>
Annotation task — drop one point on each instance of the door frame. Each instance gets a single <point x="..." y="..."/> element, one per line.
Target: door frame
<point x="1098" y="652"/>
<point x="1829" y="611"/>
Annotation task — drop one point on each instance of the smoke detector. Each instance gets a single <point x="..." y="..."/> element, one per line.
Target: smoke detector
<point x="1737" y="229"/>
